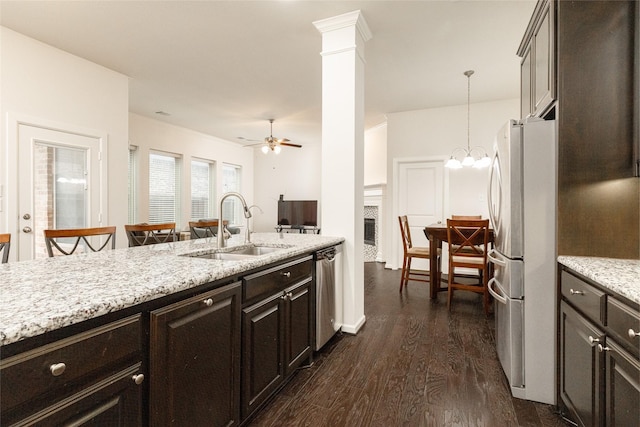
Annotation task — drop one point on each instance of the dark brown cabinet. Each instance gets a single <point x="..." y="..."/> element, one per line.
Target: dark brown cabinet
<point x="195" y="360"/>
<point x="537" y="68"/>
<point x="277" y="328"/>
<point x="599" y="370"/>
<point x="92" y="378"/>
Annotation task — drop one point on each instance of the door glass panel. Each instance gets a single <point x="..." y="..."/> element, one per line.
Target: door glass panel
<point x="60" y="195"/>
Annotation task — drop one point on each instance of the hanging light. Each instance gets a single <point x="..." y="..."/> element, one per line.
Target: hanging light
<point x="476" y="157"/>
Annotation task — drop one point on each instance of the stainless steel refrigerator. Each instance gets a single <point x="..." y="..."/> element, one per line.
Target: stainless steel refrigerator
<point x="522" y="209"/>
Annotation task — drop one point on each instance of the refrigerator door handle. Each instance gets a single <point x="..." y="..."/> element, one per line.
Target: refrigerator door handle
<point x="496" y="294"/>
<point x="496" y="261"/>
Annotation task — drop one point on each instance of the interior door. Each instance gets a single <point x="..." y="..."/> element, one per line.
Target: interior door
<point x="59" y="185"/>
<point x="420" y="197"/>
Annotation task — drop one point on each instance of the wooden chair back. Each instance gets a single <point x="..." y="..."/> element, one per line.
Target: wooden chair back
<point x="201" y="229"/>
<point x="466" y="216"/>
<point x="65" y="242"/>
<point x="468" y="241"/>
<point x="405" y="232"/>
<point x="151" y="234"/>
<point x="5" y="246"/>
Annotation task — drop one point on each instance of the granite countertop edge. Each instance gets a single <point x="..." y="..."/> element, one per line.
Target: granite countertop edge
<point x="43" y="295"/>
<point x="621" y="276"/>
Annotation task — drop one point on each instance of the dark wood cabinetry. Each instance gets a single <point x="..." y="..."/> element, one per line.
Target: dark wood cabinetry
<point x="195" y="360"/>
<point x="277" y="329"/>
<point x="599" y="370"/>
<point x="92" y="378"/>
<point x="537" y="68"/>
<point x="598" y="195"/>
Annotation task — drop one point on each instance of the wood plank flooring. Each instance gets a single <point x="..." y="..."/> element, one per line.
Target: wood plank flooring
<point x="412" y="364"/>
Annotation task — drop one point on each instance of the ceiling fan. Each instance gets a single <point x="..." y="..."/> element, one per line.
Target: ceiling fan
<point x="275" y="144"/>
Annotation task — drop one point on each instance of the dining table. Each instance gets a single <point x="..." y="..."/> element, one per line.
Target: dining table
<point x="437" y="233"/>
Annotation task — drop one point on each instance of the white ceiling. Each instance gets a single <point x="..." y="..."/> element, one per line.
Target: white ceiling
<point x="225" y="67"/>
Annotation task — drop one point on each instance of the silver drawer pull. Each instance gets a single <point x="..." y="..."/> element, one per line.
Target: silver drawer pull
<point x="286" y="273"/>
<point x="633" y="334"/>
<point x="601" y="348"/>
<point x="576" y="292"/>
<point x="208" y="302"/>
<point x="593" y="340"/>
<point x="57" y="369"/>
<point x="138" y="379"/>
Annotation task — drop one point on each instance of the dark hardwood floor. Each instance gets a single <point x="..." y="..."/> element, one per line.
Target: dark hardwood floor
<point x="412" y="364"/>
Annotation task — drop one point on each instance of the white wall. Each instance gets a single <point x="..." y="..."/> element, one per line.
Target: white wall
<point x="435" y="133"/>
<point x="148" y="134"/>
<point x="47" y="84"/>
<point x="375" y="155"/>
<point x="294" y="173"/>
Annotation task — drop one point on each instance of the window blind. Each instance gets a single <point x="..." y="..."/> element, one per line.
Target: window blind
<point x="164" y="188"/>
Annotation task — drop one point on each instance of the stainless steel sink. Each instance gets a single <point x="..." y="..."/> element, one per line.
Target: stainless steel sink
<point x="256" y="250"/>
<point x="239" y="253"/>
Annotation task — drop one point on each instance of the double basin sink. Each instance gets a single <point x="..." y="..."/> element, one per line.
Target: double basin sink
<point x="238" y="254"/>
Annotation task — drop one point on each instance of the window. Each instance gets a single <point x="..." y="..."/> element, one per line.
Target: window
<point x="202" y="189"/>
<point x="231" y="208"/>
<point x="132" y="214"/>
<point x="164" y="188"/>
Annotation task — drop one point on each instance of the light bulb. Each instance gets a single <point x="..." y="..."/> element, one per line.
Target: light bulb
<point x="453" y="163"/>
<point x="265" y="149"/>
<point x="468" y="160"/>
<point x="277" y="149"/>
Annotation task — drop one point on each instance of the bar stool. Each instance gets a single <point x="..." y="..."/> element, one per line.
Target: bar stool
<point x="150" y="234"/>
<point x="5" y="245"/>
<point x="76" y="237"/>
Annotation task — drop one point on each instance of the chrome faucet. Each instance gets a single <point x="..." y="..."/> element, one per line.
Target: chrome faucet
<point x="247" y="215"/>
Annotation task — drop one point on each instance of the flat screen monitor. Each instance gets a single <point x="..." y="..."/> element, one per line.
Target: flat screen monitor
<point x="298" y="213"/>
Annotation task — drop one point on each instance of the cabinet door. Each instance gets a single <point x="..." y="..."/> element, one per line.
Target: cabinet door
<point x="581" y="369"/>
<point x="544" y="69"/>
<point x="114" y="401"/>
<point x="299" y="325"/>
<point x="525" y="85"/>
<point x="195" y="360"/>
<point x="262" y="351"/>
<point x="622" y="382"/>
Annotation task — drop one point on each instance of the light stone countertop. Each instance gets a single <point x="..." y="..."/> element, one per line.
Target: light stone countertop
<point x="621" y="276"/>
<point x="47" y="294"/>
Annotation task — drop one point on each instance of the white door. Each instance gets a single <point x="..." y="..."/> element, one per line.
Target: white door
<point x="420" y="197"/>
<point x="59" y="185"/>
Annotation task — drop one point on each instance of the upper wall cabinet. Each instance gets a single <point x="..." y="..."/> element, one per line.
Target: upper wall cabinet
<point x="537" y="68"/>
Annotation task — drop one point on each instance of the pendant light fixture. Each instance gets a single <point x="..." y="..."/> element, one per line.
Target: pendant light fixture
<point x="476" y="156"/>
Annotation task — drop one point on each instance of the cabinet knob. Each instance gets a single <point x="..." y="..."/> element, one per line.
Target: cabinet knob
<point x="576" y="292"/>
<point x="633" y="334"/>
<point x="208" y="302"/>
<point x="286" y="273"/>
<point x="57" y="369"/>
<point x="138" y="378"/>
<point x="593" y="340"/>
<point x="601" y="348"/>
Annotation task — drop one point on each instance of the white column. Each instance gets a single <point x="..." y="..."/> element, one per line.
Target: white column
<point x="342" y="203"/>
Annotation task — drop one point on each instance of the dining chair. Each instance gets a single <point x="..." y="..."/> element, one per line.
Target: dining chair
<point x="468" y="248"/>
<point x="150" y="234"/>
<point x="411" y="252"/>
<point x="67" y="241"/>
<point x="5" y="245"/>
<point x="204" y="228"/>
<point x="466" y="216"/>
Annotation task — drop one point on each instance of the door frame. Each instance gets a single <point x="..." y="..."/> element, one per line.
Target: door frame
<point x="14" y="121"/>
<point x="394" y="259"/>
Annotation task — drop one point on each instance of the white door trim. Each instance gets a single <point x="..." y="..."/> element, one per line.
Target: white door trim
<point x="392" y="259"/>
<point x="14" y="121"/>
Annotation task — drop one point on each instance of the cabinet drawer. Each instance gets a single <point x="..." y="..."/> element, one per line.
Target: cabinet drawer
<point x="583" y="296"/>
<point x="624" y="323"/>
<point x="275" y="279"/>
<point x="50" y="368"/>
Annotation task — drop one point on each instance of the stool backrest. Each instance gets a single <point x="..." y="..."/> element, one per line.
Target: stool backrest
<point x="65" y="242"/>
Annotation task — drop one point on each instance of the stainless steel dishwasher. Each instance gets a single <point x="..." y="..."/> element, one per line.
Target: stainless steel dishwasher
<point x="328" y="294"/>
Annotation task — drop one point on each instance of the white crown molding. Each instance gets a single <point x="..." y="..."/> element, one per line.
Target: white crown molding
<point x="345" y="20"/>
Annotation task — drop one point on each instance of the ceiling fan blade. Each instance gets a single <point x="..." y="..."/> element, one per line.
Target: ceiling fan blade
<point x="281" y="140"/>
<point x="288" y="144"/>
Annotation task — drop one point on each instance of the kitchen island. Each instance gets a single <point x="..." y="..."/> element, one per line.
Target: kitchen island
<point x="158" y="311"/>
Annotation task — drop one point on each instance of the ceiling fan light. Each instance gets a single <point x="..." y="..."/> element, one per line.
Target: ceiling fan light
<point x="277" y="149"/>
<point x="265" y="149"/>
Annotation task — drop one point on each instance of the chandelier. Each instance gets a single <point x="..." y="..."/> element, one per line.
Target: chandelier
<point x="476" y="157"/>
